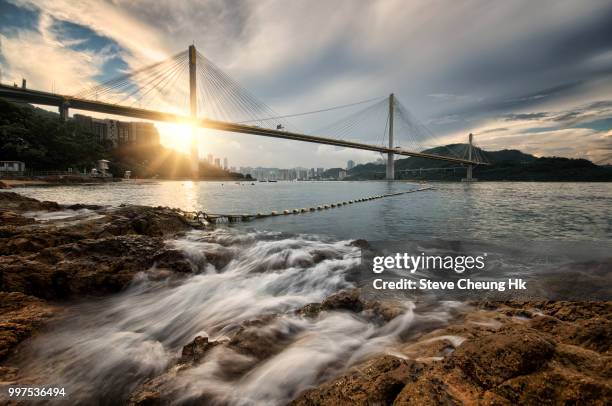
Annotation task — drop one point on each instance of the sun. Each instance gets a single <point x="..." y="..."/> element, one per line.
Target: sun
<point x="175" y="136"/>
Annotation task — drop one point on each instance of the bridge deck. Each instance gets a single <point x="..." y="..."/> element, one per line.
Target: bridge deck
<point x="51" y="99"/>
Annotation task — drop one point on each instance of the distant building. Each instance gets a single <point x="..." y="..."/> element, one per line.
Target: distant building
<point x="218" y="162"/>
<point x="210" y="159"/>
<point x="320" y="172"/>
<point x="144" y="133"/>
<point x="350" y="165"/>
<point x="119" y="132"/>
<point x="341" y="174"/>
<point x="12" y="167"/>
<point x="225" y="164"/>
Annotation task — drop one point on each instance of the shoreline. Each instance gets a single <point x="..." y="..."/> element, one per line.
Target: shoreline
<point x="504" y="352"/>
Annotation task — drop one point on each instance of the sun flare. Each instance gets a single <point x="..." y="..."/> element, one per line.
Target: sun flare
<point x="176" y="136"/>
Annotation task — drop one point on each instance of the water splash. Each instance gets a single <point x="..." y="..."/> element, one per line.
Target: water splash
<point x="103" y="349"/>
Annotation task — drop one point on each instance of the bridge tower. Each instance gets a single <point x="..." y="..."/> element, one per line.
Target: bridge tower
<point x="390" y="155"/>
<point x="193" y="112"/>
<point x="63" y="110"/>
<point x="469" y="177"/>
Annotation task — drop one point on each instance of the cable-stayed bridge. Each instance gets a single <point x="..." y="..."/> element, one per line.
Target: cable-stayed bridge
<point x="189" y="88"/>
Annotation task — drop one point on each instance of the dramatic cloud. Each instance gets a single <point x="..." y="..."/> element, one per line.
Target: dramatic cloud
<point x="532" y="71"/>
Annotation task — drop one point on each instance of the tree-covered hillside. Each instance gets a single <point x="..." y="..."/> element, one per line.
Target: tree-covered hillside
<point x="508" y="164"/>
<point x="45" y="143"/>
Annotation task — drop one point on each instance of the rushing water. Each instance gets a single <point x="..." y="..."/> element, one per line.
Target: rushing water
<point x="103" y="349"/>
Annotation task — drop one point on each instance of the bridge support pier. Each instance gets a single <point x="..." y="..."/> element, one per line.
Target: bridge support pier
<point x="63" y="111"/>
<point x="468" y="177"/>
<point x="391" y="155"/>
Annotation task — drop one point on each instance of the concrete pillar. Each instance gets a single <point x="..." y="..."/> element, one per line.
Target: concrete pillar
<point x="468" y="177"/>
<point x="469" y="169"/>
<point x="390" y="155"/>
<point x="63" y="111"/>
<point x="193" y="112"/>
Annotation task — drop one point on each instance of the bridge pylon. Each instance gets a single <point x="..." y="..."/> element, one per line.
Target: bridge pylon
<point x="193" y="113"/>
<point x="468" y="177"/>
<point x="63" y="110"/>
<point x="390" y="155"/>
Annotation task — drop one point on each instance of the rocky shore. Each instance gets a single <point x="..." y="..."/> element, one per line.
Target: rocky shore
<point x="489" y="353"/>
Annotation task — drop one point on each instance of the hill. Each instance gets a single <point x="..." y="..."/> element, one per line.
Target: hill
<point x="40" y="139"/>
<point x="507" y="164"/>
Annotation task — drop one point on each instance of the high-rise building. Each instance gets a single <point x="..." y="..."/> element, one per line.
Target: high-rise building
<point x="210" y="159"/>
<point x="225" y="164"/>
<point x="120" y="132"/>
<point x="144" y="133"/>
<point x="350" y="165"/>
<point x="218" y="162"/>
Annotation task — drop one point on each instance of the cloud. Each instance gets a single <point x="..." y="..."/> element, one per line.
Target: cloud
<point x="525" y="116"/>
<point x="298" y="56"/>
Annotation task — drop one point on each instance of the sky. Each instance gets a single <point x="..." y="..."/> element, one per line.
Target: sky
<point x="534" y="76"/>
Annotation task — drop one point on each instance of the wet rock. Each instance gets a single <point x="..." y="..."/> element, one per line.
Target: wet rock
<point x="25" y="240"/>
<point x="344" y="300"/>
<point x="260" y="341"/>
<point x="360" y="243"/>
<point x="594" y="334"/>
<point x="538" y="359"/>
<point x="20" y="315"/>
<point x="174" y="260"/>
<point x="87" y="267"/>
<point x="310" y="310"/>
<point x="553" y="386"/>
<point x="81" y="206"/>
<point x="195" y="351"/>
<point x="494" y="358"/>
<point x="16" y="202"/>
<point x="4" y="185"/>
<point x="146" y="398"/>
<point x="349" y="300"/>
<point x="385" y="310"/>
<point x="376" y="382"/>
<point x="10" y="218"/>
<point x="151" y="221"/>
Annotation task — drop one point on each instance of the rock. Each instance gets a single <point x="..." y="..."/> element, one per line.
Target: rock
<point x="90" y="266"/>
<point x="360" y="243"/>
<point x="310" y="310"/>
<point x="536" y="360"/>
<point x="594" y="334"/>
<point x="376" y="382"/>
<point x="151" y="221"/>
<point x="81" y="206"/>
<point x="260" y="343"/>
<point x="386" y="310"/>
<point x="4" y="185"/>
<point x="16" y="202"/>
<point x="10" y="218"/>
<point x="20" y="315"/>
<point x="495" y="358"/>
<point x="195" y="351"/>
<point x="174" y="260"/>
<point x="344" y="300"/>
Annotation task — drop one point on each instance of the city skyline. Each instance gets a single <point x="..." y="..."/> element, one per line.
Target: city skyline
<point x="539" y="81"/>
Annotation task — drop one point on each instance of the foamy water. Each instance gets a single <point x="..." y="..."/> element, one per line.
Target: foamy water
<point x="103" y="349"/>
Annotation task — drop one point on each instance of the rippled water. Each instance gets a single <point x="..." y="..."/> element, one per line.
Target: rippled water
<point x="499" y="210"/>
<point x="103" y="349"/>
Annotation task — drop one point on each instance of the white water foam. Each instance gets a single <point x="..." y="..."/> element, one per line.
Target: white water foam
<point x="105" y="348"/>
